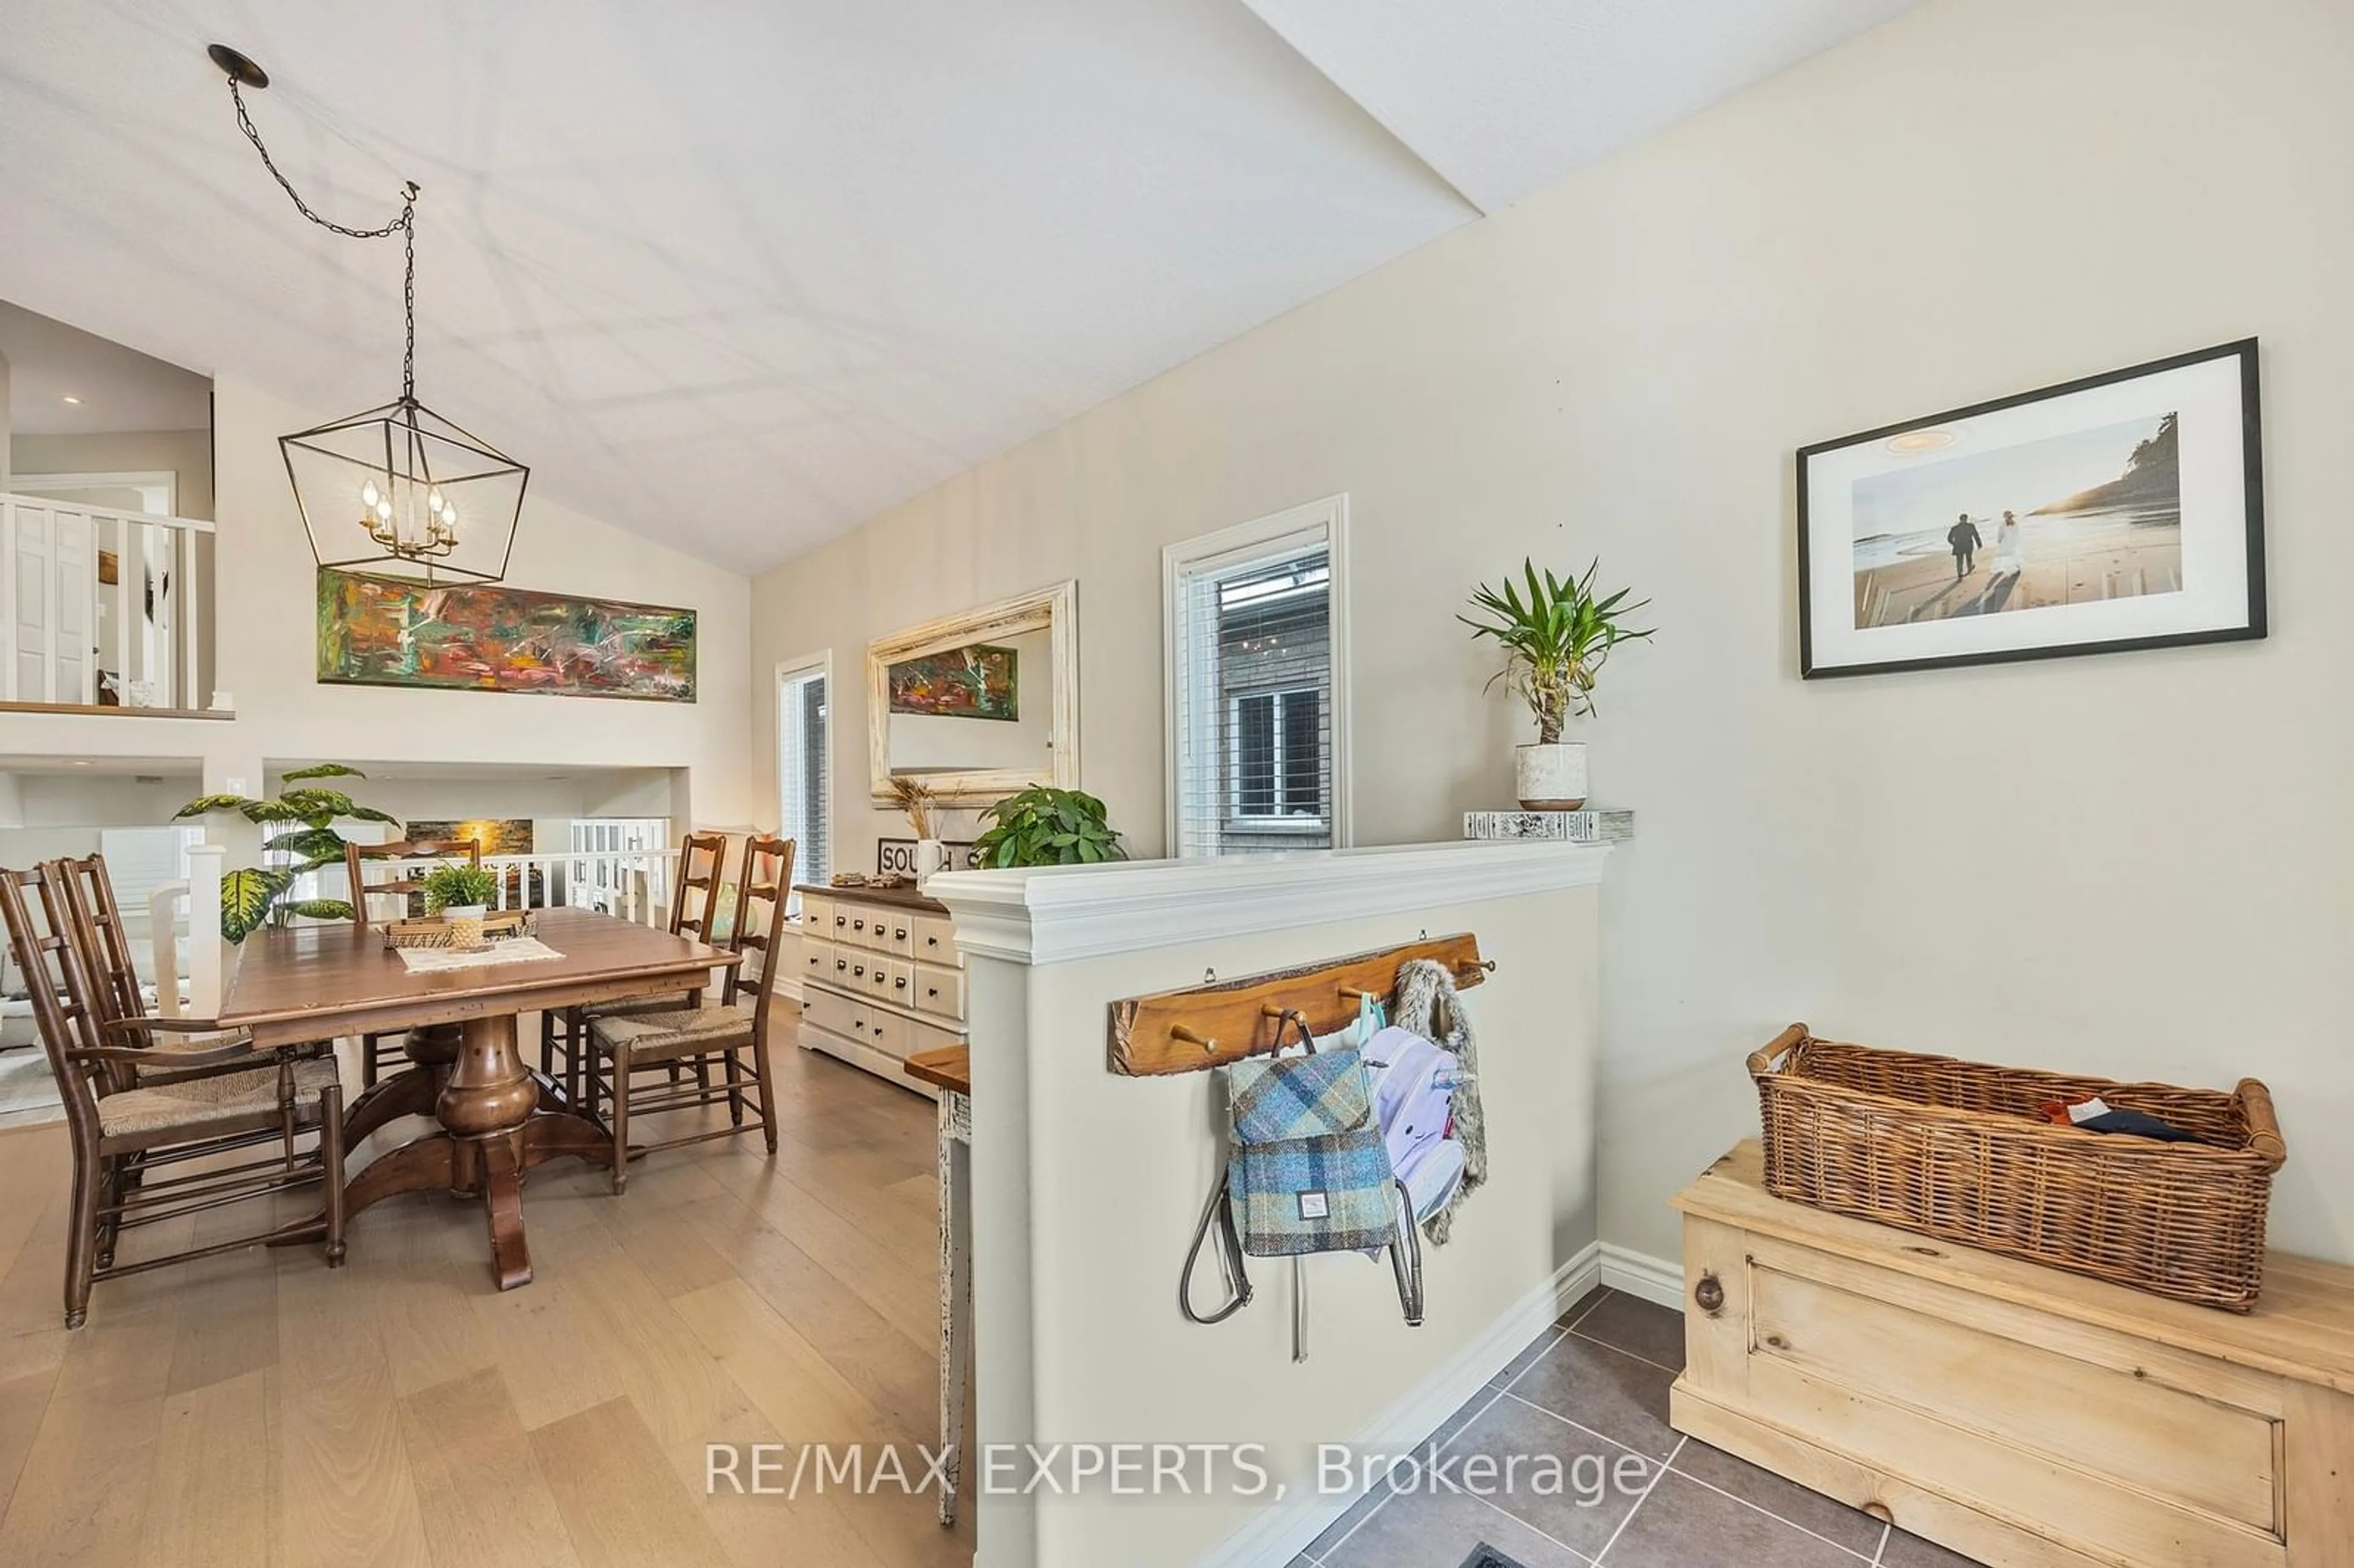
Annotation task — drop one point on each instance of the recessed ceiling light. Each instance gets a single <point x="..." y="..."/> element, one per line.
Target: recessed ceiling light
<point x="71" y="398"/>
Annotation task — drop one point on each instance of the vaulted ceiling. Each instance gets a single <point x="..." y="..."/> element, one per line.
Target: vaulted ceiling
<point x="738" y="276"/>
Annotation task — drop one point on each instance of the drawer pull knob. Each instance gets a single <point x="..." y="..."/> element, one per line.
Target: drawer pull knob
<point x="932" y="990"/>
<point x="901" y="982"/>
<point x="1709" y="1294"/>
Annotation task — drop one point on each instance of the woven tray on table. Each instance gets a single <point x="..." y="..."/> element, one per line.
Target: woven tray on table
<point x="435" y="931"/>
<point x="1961" y="1151"/>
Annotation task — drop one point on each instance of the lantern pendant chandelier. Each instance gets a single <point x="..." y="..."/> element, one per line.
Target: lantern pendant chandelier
<point x="398" y="490"/>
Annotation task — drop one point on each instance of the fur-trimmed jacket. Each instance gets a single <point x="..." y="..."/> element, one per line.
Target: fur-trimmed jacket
<point x="1426" y="1003"/>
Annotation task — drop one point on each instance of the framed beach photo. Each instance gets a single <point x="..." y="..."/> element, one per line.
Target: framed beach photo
<point x="2123" y="511"/>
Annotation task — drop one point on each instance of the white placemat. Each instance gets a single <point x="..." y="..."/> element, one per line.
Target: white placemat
<point x="514" y="950"/>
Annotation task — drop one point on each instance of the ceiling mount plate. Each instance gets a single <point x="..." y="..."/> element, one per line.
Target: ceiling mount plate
<point x="241" y="67"/>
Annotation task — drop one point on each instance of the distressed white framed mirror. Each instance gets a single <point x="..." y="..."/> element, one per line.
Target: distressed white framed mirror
<point x="981" y="703"/>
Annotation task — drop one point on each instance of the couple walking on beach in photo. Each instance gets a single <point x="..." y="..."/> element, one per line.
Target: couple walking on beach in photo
<point x="1963" y="537"/>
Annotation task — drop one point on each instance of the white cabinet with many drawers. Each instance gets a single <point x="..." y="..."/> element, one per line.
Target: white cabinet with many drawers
<point x="881" y="977"/>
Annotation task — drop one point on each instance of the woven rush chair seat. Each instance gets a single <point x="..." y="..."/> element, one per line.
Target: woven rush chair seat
<point x="195" y="1105"/>
<point x="656" y="1033"/>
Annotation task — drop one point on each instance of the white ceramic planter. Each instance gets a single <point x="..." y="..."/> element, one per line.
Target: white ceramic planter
<point x="1550" y="778"/>
<point x="465" y="925"/>
<point x="931" y="857"/>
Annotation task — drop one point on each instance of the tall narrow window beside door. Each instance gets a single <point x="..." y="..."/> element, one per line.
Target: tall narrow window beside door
<point x="1257" y="633"/>
<point x="805" y="796"/>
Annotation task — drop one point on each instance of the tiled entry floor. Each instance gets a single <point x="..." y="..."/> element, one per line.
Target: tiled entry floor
<point x="1597" y="1385"/>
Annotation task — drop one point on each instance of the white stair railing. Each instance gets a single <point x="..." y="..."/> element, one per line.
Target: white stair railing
<point x="633" y="883"/>
<point x="65" y="632"/>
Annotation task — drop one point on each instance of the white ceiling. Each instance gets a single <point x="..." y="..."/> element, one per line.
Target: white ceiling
<point x="1504" y="97"/>
<point x="738" y="276"/>
<point x="117" y="389"/>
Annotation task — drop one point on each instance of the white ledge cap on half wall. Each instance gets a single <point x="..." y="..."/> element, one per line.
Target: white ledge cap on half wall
<point x="1051" y="914"/>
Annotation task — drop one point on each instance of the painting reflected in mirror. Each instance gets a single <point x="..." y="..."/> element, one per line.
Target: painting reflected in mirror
<point x="978" y="704"/>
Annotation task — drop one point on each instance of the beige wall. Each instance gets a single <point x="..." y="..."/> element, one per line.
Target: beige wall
<point x="2135" y="866"/>
<point x="186" y="454"/>
<point x="264" y="644"/>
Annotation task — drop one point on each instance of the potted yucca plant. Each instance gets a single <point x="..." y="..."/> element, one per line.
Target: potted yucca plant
<point x="1555" y="641"/>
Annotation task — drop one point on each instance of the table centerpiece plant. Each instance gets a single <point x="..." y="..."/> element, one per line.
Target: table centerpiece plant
<point x="461" y="893"/>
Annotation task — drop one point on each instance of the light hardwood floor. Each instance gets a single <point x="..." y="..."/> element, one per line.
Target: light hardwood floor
<point x="257" y="1408"/>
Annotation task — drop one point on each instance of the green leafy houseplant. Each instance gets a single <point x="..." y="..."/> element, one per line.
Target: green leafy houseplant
<point x="307" y="812"/>
<point x="1555" y="641"/>
<point x="454" y="884"/>
<point x="1046" y="826"/>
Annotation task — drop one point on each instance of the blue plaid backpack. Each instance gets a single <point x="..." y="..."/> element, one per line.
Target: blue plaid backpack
<point x="1308" y="1173"/>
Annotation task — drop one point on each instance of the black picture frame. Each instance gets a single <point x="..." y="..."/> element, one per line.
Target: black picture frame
<point x="2254" y="624"/>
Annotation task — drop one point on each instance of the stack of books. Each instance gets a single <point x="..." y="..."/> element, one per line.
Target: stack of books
<point x="1561" y="826"/>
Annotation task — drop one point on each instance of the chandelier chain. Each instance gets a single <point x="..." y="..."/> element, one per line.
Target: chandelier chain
<point x="405" y="226"/>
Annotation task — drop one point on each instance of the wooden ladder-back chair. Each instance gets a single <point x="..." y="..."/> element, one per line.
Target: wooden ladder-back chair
<point x="693" y="912"/>
<point x="378" y="1051"/>
<point x="130" y="1133"/>
<point x="106" y="954"/>
<point x="110" y="956"/>
<point x="622" y="1046"/>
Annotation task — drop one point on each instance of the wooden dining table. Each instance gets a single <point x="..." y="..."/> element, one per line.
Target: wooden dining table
<point x="498" y="1118"/>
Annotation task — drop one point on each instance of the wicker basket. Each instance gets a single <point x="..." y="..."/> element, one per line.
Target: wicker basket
<point x="434" y="931"/>
<point x="1961" y="1151"/>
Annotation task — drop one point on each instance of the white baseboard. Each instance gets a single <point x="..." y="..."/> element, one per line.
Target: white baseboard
<point x="1649" y="1279"/>
<point x="1284" y="1529"/>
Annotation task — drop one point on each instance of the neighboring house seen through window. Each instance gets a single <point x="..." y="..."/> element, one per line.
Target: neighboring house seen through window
<point x="1257" y="723"/>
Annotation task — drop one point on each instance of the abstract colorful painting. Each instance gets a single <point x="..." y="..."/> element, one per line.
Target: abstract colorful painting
<point x="377" y="632"/>
<point x="980" y="681"/>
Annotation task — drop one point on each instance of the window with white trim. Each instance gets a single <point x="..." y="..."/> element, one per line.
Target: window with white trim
<point x="1256" y="638"/>
<point x="804" y="790"/>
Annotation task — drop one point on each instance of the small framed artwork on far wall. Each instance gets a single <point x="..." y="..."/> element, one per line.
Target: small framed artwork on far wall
<point x="2119" y="511"/>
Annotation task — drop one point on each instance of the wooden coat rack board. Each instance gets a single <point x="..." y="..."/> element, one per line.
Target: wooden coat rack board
<point x="1211" y="1024"/>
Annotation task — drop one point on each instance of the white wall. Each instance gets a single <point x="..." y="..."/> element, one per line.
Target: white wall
<point x="2134" y="865"/>
<point x="265" y="653"/>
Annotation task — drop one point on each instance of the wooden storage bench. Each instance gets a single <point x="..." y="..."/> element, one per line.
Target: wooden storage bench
<point x="2020" y="1415"/>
